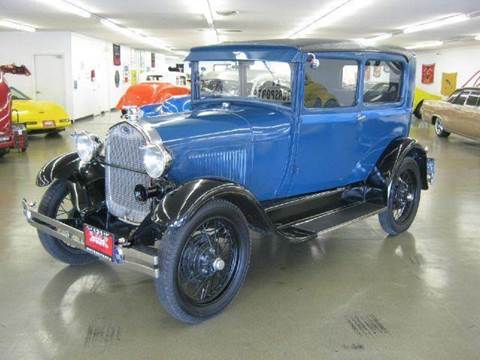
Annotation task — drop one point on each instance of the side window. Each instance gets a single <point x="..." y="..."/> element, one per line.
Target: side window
<point x="460" y="100"/>
<point x="332" y="84"/>
<point x="383" y="82"/>
<point x="452" y="97"/>
<point x="474" y="99"/>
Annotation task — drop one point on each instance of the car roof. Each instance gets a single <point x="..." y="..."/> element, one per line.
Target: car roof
<point x="294" y="46"/>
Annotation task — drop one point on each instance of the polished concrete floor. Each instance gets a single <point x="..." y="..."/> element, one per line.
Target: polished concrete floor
<point x="351" y="294"/>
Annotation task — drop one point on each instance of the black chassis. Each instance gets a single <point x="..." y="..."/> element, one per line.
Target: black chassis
<point x="296" y="219"/>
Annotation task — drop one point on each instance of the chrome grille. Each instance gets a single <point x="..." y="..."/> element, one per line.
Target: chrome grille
<point x="124" y="171"/>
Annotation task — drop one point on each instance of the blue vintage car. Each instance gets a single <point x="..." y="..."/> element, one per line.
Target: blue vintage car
<point x="175" y="104"/>
<point x="295" y="138"/>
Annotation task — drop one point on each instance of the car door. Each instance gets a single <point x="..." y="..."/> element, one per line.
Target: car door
<point x="386" y="114"/>
<point x="471" y="115"/>
<point x="452" y="113"/>
<point x="327" y="147"/>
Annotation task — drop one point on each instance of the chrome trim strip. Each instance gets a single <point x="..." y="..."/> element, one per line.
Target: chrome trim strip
<point x="138" y="260"/>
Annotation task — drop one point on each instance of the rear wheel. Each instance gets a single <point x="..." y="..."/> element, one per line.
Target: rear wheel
<point x="439" y="129"/>
<point x="418" y="110"/>
<point x="57" y="204"/>
<point x="403" y="199"/>
<point x="203" y="263"/>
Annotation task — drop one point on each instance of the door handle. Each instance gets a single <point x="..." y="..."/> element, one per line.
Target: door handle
<point x="361" y="117"/>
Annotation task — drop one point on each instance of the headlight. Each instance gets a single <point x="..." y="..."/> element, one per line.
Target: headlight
<point x="87" y="145"/>
<point x="156" y="160"/>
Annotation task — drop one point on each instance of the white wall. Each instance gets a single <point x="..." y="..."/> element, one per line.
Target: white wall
<point x="463" y="60"/>
<point x="82" y="54"/>
<point x="20" y="48"/>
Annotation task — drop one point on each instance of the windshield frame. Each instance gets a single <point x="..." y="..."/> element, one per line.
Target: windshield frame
<point x="15" y="90"/>
<point x="196" y="84"/>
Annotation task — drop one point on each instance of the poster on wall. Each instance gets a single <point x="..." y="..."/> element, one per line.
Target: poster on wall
<point x="117" y="78"/>
<point x="428" y="74"/>
<point x="449" y="83"/>
<point x="126" y="74"/>
<point x="134" y="77"/>
<point x="152" y="60"/>
<point x="117" y="61"/>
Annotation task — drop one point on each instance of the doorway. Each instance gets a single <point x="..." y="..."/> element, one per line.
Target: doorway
<point x="50" y="78"/>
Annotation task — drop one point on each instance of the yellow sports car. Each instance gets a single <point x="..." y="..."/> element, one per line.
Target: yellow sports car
<point x="38" y="116"/>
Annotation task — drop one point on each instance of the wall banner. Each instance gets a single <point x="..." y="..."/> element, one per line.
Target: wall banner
<point x="116" y="55"/>
<point x="449" y="83"/>
<point x="428" y="74"/>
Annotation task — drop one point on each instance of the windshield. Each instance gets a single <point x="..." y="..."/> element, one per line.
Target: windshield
<point x="17" y="94"/>
<point x="265" y="80"/>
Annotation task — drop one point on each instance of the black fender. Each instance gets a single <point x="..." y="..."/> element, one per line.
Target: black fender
<point x="389" y="162"/>
<point x="180" y="204"/>
<point x="86" y="183"/>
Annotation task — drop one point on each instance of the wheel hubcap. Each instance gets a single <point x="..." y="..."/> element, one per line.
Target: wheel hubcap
<point x="403" y="197"/>
<point x="438" y="127"/>
<point x="208" y="262"/>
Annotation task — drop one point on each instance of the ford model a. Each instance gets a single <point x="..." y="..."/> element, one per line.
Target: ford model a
<point x="301" y="140"/>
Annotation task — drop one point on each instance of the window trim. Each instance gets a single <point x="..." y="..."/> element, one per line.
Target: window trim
<point x="341" y="57"/>
<point x="467" y="92"/>
<point x="404" y="79"/>
<point x="477" y="95"/>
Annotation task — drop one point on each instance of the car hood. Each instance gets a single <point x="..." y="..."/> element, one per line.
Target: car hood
<point x="39" y="109"/>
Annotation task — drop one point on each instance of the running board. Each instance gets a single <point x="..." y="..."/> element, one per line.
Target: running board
<point x="306" y="229"/>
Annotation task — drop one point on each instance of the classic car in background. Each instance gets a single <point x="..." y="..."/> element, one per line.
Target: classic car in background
<point x="153" y="92"/>
<point x="175" y="104"/>
<point x="11" y="136"/>
<point x="419" y="98"/>
<point x="175" y="195"/>
<point x="38" y="116"/>
<point x="173" y="77"/>
<point x="459" y="114"/>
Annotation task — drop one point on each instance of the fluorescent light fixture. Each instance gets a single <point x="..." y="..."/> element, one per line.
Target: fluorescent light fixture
<point x="16" y="25"/>
<point x="208" y="13"/>
<point x="477" y="37"/>
<point x="333" y="12"/>
<point x="135" y="35"/>
<point x="374" y="40"/>
<point x="67" y="7"/>
<point x="426" y="44"/>
<point x="450" y="20"/>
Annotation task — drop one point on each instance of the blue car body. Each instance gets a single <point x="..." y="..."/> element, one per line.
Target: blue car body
<point x="278" y="151"/>
<point x="175" y="104"/>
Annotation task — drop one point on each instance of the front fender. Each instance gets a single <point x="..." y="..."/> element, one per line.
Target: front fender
<point x="180" y="204"/>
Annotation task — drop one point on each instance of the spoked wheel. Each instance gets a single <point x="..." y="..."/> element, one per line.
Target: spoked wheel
<point x="403" y="200"/>
<point x="57" y="204"/>
<point x="204" y="262"/>
<point x="439" y="128"/>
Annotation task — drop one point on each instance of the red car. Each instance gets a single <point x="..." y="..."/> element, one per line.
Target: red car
<point x="150" y="93"/>
<point x="11" y="136"/>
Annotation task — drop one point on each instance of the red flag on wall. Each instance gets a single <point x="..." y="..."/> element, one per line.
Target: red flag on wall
<point x="428" y="74"/>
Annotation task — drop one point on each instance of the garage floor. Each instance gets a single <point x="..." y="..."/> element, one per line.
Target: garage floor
<point x="351" y="294"/>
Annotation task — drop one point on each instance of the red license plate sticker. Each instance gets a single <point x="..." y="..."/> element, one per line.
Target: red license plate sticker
<point x="98" y="242"/>
<point x="49" y="124"/>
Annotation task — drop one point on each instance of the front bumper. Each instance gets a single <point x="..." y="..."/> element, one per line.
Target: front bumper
<point x="143" y="259"/>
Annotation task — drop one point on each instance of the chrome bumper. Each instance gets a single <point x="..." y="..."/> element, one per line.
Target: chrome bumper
<point x="142" y="259"/>
<point x="431" y="168"/>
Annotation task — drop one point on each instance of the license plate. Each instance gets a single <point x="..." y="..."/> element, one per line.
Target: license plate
<point x="98" y="242"/>
<point x="49" y="124"/>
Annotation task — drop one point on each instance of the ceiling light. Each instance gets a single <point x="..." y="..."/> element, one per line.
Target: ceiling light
<point x="450" y="20"/>
<point x="333" y="12"/>
<point x="211" y="36"/>
<point x="207" y="12"/>
<point x="373" y="40"/>
<point x="16" y="25"/>
<point x="67" y="7"/>
<point x="426" y="44"/>
<point x="477" y="37"/>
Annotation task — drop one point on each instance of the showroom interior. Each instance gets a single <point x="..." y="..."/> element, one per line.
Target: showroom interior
<point x="221" y="126"/>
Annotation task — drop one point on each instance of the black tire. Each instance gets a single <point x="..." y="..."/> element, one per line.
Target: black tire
<point x="3" y="152"/>
<point x="439" y="129"/>
<point x="177" y="249"/>
<point x="49" y="206"/>
<point x="418" y="110"/>
<point x="391" y="221"/>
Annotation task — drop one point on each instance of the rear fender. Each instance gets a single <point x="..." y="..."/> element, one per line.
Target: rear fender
<point x="180" y="204"/>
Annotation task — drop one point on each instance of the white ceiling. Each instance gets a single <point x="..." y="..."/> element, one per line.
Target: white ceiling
<point x="180" y="23"/>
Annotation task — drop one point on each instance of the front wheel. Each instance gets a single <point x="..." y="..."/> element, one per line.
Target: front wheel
<point x="57" y="204"/>
<point x="403" y="199"/>
<point x="439" y="129"/>
<point x="204" y="262"/>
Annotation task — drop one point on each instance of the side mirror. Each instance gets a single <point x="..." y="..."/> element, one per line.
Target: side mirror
<point x="313" y="61"/>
